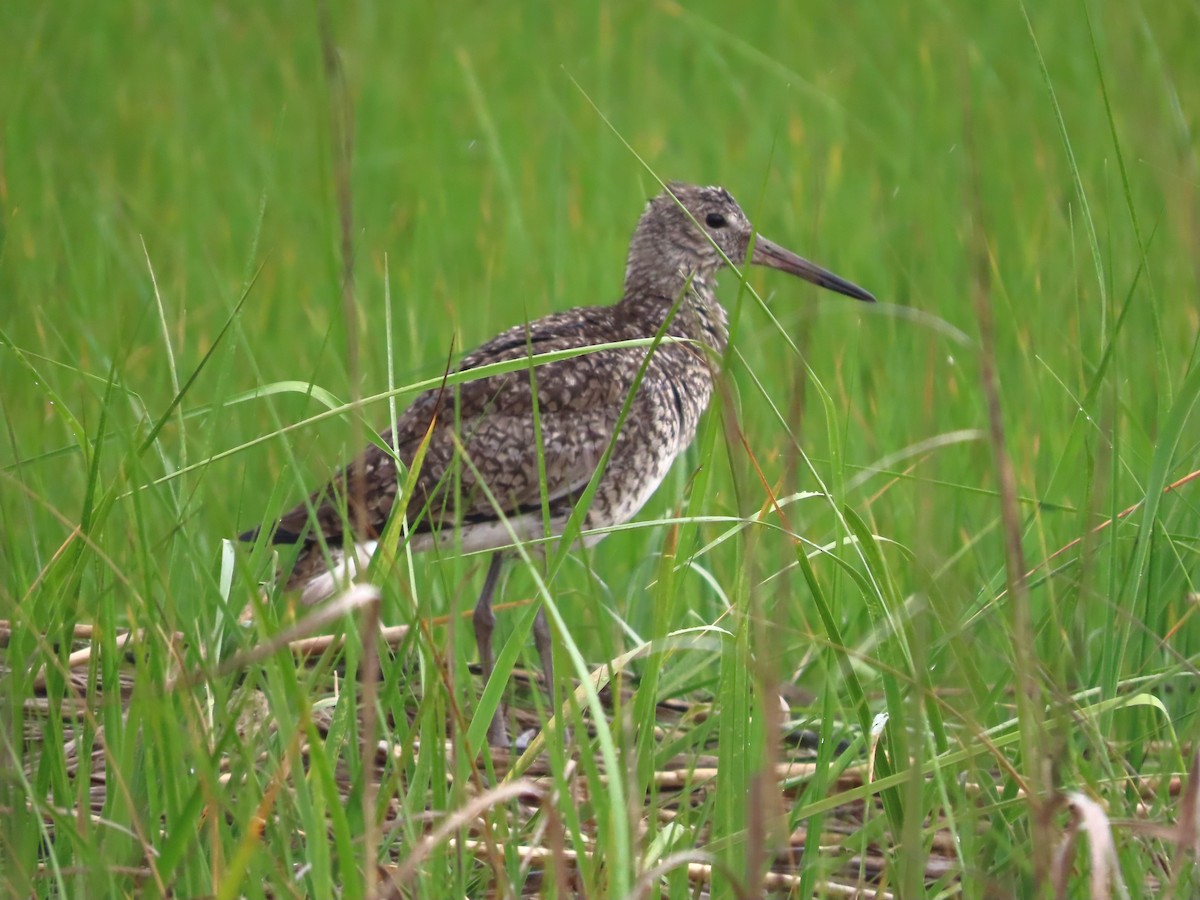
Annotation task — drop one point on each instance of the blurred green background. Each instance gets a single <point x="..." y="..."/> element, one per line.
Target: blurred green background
<point x="939" y="154"/>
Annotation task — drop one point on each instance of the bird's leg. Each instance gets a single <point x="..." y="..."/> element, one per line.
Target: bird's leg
<point x="545" y="649"/>
<point x="485" y="621"/>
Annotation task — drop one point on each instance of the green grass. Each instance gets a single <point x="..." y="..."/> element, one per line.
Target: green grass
<point x="170" y="249"/>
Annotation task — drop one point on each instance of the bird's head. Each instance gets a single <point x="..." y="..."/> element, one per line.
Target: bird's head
<point x="689" y="231"/>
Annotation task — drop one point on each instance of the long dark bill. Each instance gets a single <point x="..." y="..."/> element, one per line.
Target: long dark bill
<point x="768" y="253"/>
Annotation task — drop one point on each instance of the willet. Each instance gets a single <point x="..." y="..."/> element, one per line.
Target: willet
<point x="684" y="237"/>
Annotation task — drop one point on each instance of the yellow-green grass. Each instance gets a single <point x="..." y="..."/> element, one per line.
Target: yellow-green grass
<point x="171" y="243"/>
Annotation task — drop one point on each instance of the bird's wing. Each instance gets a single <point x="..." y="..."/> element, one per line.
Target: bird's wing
<point x="579" y="402"/>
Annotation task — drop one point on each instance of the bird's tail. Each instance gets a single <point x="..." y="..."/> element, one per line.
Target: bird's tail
<point x="278" y="534"/>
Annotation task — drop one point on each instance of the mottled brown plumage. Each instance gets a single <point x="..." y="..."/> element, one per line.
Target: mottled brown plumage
<point x="684" y="237"/>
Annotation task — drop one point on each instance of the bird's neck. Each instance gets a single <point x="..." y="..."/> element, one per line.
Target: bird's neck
<point x="650" y="297"/>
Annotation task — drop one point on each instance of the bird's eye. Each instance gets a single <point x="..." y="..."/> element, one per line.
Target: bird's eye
<point x="714" y="220"/>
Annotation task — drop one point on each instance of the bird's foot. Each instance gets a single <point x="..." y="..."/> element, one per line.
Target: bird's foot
<point x="498" y="731"/>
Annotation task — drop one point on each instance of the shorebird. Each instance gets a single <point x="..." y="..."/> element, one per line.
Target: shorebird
<point x="684" y="237"/>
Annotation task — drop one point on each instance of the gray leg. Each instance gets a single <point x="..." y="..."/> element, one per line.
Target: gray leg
<point x="485" y="620"/>
<point x="545" y="649"/>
